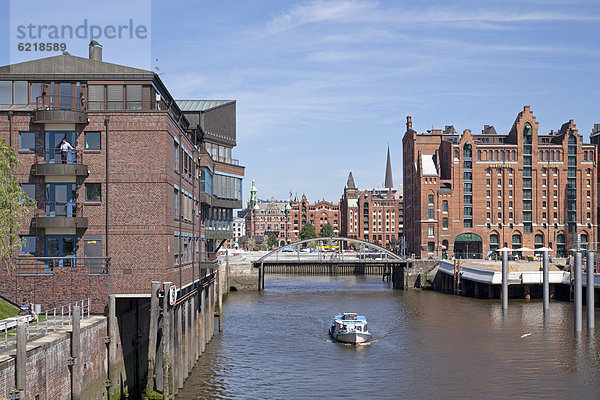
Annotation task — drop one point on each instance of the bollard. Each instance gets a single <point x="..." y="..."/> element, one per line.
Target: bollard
<point x="577" y="298"/>
<point x="21" y="362"/>
<point x="75" y="354"/>
<point x="590" y="290"/>
<point x="505" y="280"/>
<point x="546" y="281"/>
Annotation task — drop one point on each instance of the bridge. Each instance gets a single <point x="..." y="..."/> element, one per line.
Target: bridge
<point x="331" y="256"/>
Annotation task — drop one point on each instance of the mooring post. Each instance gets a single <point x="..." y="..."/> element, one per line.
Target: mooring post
<point x="111" y="339"/>
<point x="76" y="354"/>
<point x="21" y="362"/>
<point x="261" y="277"/>
<point x="546" y="280"/>
<point x="590" y="303"/>
<point x="505" y="280"/>
<point x="577" y="291"/>
<point x="166" y="340"/>
<point x="152" y="335"/>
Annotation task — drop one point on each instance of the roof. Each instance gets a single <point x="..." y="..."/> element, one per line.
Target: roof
<point x="428" y="165"/>
<point x="389" y="183"/>
<point x="201" y="105"/>
<point x="350" y="184"/>
<point x="66" y="66"/>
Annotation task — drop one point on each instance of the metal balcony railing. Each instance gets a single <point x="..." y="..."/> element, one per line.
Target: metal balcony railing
<point x="57" y="156"/>
<point x="68" y="209"/>
<point x="48" y="265"/>
<point x="55" y="102"/>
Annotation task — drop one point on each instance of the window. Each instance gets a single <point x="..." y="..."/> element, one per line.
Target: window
<point x="29" y="189"/>
<point x="543" y="182"/>
<point x="27" y="245"/>
<point x="445" y="222"/>
<point x="544" y="215"/>
<point x="555" y="204"/>
<point x="20" y="92"/>
<point x="430" y="247"/>
<point x="499" y="204"/>
<point x="510" y="215"/>
<point x="134" y="97"/>
<point x="16" y="96"/>
<point x="499" y="182"/>
<point x="95" y="97"/>
<point x="555" y="182"/>
<point x="487" y="182"/>
<point x="430" y="199"/>
<point x="176" y="202"/>
<point x="543" y="204"/>
<point x="176" y="156"/>
<point x="6" y="92"/>
<point x="26" y="140"/>
<point x="510" y="193"/>
<point x="510" y="204"/>
<point x="445" y="205"/>
<point x="114" y="97"/>
<point x="487" y="193"/>
<point x="487" y="204"/>
<point x="468" y="223"/>
<point x="430" y="230"/>
<point x="500" y="215"/>
<point x="488" y="215"/>
<point x="555" y="193"/>
<point x="499" y="193"/>
<point x="92" y="140"/>
<point x="430" y="214"/>
<point x="93" y="192"/>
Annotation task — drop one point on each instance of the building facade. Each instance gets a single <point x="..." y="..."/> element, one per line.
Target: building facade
<point x="126" y="205"/>
<point x="468" y="195"/>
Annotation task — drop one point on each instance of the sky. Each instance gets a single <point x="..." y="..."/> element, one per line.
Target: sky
<point x="323" y="87"/>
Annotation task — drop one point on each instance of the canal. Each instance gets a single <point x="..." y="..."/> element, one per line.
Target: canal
<point x="275" y="345"/>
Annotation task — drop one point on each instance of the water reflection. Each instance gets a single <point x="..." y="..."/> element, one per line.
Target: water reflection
<point x="426" y="345"/>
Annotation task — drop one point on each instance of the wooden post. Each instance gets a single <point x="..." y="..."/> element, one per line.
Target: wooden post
<point x="76" y="354"/>
<point x="21" y="362"/>
<point x="181" y="346"/>
<point x="112" y="329"/>
<point x="152" y="335"/>
<point x="166" y="338"/>
<point x="202" y="320"/>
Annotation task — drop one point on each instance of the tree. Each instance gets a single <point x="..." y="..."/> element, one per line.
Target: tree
<point x="307" y="232"/>
<point x="251" y="244"/>
<point x="272" y="241"/>
<point x="14" y="204"/>
<point x="326" y="230"/>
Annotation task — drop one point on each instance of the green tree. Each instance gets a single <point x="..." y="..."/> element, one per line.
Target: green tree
<point x="307" y="232"/>
<point x="14" y="204"/>
<point x="272" y="240"/>
<point x="326" y="230"/>
<point x="251" y="244"/>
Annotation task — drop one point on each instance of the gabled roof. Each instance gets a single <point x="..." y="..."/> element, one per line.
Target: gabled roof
<point x="201" y="105"/>
<point x="66" y="66"/>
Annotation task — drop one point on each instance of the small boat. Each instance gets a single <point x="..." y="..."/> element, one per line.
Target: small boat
<point x="350" y="328"/>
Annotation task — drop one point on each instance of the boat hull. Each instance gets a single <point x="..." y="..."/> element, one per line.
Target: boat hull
<point x="351" y="337"/>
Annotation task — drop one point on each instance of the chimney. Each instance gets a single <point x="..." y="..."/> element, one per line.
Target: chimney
<point x="408" y="123"/>
<point x="95" y="51"/>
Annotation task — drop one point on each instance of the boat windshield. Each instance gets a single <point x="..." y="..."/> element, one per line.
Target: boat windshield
<point x="350" y="316"/>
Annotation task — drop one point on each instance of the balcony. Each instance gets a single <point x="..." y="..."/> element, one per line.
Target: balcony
<point x="59" y="109"/>
<point x="57" y="162"/>
<point x="60" y="215"/>
<point x="25" y="265"/>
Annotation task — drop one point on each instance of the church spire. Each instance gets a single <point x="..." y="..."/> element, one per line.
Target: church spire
<point x="350" y="184"/>
<point x="389" y="183"/>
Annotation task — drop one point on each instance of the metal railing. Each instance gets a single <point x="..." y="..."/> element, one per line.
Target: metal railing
<point x="57" y="156"/>
<point x="66" y="209"/>
<point x="48" y="321"/>
<point x="48" y="265"/>
<point x="59" y="102"/>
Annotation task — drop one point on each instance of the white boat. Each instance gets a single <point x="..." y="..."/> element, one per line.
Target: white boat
<point x="350" y="328"/>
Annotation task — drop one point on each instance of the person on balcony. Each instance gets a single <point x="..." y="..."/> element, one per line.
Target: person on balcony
<point x="64" y="150"/>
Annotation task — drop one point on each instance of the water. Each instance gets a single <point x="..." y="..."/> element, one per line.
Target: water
<point x="275" y="345"/>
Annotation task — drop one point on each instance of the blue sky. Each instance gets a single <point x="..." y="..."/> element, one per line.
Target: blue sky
<point x="323" y="86"/>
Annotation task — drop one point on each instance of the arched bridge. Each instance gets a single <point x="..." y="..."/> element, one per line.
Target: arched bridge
<point x="331" y="256"/>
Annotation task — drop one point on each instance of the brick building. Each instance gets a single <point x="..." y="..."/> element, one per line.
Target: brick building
<point x="468" y="195"/>
<point x="318" y="214"/>
<point x="146" y="194"/>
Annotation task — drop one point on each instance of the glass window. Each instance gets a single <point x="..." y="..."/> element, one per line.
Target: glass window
<point x="93" y="192"/>
<point x="445" y="205"/>
<point x="27" y="245"/>
<point x="26" y="140"/>
<point x="445" y="223"/>
<point x="96" y="97"/>
<point x="430" y="214"/>
<point x="36" y="91"/>
<point x="5" y="92"/>
<point x="468" y="223"/>
<point x="92" y="140"/>
<point x="114" y="97"/>
<point x="29" y="189"/>
<point x="134" y="97"/>
<point x="175" y="156"/>
<point x="430" y="199"/>
<point x="20" y="93"/>
<point x="430" y="230"/>
<point x="176" y="202"/>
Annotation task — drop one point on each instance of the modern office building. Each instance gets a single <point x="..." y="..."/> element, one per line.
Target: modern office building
<point x="145" y="194"/>
<point x="468" y="195"/>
